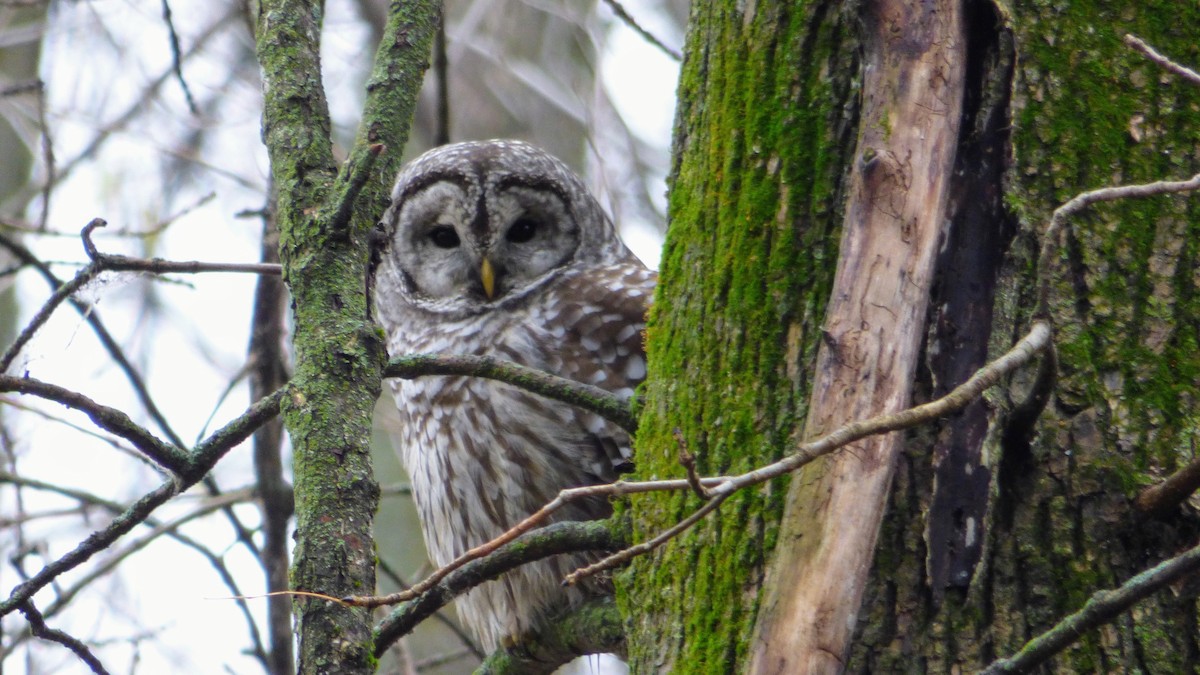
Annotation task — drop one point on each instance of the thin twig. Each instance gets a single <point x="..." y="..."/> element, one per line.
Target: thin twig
<point x="1101" y="608"/>
<point x="121" y="263"/>
<point x="47" y="158"/>
<point x="60" y="294"/>
<point x="960" y="397"/>
<point x="177" y="57"/>
<point x="593" y="399"/>
<point x="721" y="487"/>
<point x="142" y="104"/>
<point x="169" y="457"/>
<point x="1061" y="215"/>
<point x="114" y="557"/>
<point x="1166" y="63"/>
<point x="441" y="617"/>
<point x="623" y="15"/>
<point x="717" y="497"/>
<point x="41" y="630"/>
<point x="688" y="461"/>
<point x="217" y="563"/>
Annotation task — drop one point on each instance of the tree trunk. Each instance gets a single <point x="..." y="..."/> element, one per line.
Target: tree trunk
<point x="1001" y="521"/>
<point x="765" y="126"/>
<point x="325" y="216"/>
<point x="1052" y="501"/>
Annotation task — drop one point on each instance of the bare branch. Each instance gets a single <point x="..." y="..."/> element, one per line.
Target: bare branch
<point x="177" y="58"/>
<point x="203" y="458"/>
<point x="623" y="15"/>
<point x="41" y="630"/>
<point x="1166" y="63"/>
<point x="1078" y="203"/>
<point x="121" y="263"/>
<point x="593" y="399"/>
<point x="551" y="540"/>
<point x="60" y="294"/>
<point x="114" y="350"/>
<point x="89" y="499"/>
<point x="1101" y="608"/>
<point x="165" y="455"/>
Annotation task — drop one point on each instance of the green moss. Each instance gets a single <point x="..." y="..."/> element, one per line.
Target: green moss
<point x="745" y="275"/>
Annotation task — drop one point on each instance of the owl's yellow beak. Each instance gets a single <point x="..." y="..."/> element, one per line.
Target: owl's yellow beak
<point x="487" y="274"/>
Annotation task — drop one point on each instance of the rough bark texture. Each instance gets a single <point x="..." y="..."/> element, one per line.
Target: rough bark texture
<point x="1051" y="504"/>
<point x="767" y="119"/>
<point x="912" y="101"/>
<point x="324" y="217"/>
<point x="1000" y="521"/>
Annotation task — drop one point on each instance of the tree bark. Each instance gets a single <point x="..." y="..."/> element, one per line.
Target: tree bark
<point x="1008" y="516"/>
<point x="1055" y="498"/>
<point x="912" y="103"/>
<point x="324" y="218"/>
<point x="765" y="128"/>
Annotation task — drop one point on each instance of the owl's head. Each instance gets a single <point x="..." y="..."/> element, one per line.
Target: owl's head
<point x="479" y="224"/>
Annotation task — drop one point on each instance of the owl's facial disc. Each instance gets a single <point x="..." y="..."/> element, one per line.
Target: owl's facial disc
<point x="460" y="241"/>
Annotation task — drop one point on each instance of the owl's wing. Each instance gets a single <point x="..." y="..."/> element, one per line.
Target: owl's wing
<point x="598" y="327"/>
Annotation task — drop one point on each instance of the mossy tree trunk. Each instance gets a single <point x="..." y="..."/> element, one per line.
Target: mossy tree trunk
<point x="325" y="214"/>
<point x="1000" y="522"/>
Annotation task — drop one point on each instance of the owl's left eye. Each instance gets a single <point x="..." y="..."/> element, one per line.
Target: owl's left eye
<point x="521" y="231"/>
<point x="444" y="236"/>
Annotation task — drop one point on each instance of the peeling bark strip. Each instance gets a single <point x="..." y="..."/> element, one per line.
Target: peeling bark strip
<point x="912" y="102"/>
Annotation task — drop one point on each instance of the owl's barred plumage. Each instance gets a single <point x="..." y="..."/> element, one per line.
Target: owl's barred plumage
<point x="497" y="248"/>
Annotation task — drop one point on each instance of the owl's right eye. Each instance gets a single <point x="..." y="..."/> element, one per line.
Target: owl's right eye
<point x="444" y="236"/>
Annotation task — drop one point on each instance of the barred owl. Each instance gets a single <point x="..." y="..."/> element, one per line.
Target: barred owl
<point x="497" y="248"/>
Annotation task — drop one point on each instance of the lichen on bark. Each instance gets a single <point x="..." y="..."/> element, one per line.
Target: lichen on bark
<point x="324" y="217"/>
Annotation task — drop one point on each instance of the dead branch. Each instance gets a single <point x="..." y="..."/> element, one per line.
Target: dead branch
<point x="1059" y="220"/>
<point x="122" y="263"/>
